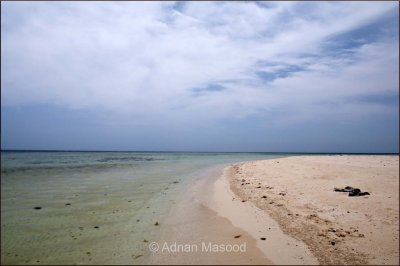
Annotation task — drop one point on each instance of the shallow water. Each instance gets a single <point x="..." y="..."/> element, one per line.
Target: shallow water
<point x="96" y="207"/>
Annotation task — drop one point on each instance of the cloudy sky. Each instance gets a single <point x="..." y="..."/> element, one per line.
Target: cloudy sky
<point x="200" y="76"/>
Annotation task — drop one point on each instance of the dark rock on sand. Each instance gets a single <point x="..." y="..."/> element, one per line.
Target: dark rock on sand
<point x="358" y="193"/>
<point x="37" y="208"/>
<point x="263" y="238"/>
<point x="237" y="236"/>
<point x="156" y="224"/>
<point x="346" y="189"/>
<point x="352" y="191"/>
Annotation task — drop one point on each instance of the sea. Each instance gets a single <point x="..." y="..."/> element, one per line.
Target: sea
<point x="66" y="207"/>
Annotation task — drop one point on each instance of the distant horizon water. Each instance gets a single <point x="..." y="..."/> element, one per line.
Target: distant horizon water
<point x="190" y="151"/>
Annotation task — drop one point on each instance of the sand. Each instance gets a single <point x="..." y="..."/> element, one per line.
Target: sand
<point x="192" y="222"/>
<point x="278" y="247"/>
<point x="292" y="204"/>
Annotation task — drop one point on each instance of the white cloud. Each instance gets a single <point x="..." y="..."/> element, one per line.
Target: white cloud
<point x="144" y="58"/>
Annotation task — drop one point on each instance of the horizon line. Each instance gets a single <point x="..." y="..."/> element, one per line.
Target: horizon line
<point x="177" y="151"/>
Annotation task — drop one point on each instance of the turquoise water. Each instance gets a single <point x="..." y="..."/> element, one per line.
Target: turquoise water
<point x="95" y="207"/>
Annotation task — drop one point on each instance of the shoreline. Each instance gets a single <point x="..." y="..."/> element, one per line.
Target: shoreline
<point x="193" y="222"/>
<point x="297" y="193"/>
<point x="95" y="220"/>
<point x="209" y="212"/>
<point x="110" y="213"/>
<point x="278" y="247"/>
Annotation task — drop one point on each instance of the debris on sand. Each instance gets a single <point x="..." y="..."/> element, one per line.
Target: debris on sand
<point x="353" y="192"/>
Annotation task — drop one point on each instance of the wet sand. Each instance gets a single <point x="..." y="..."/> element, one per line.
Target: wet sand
<point x="298" y="193"/>
<point x="192" y="221"/>
<point x="278" y="247"/>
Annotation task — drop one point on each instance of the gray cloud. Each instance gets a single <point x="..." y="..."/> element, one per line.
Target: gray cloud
<point x="148" y="59"/>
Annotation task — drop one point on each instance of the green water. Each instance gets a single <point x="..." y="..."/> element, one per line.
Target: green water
<point x="95" y="207"/>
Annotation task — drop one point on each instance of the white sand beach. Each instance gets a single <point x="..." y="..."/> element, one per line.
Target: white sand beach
<point x="312" y="223"/>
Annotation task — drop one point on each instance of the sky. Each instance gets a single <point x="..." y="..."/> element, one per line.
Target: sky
<point x="200" y="76"/>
